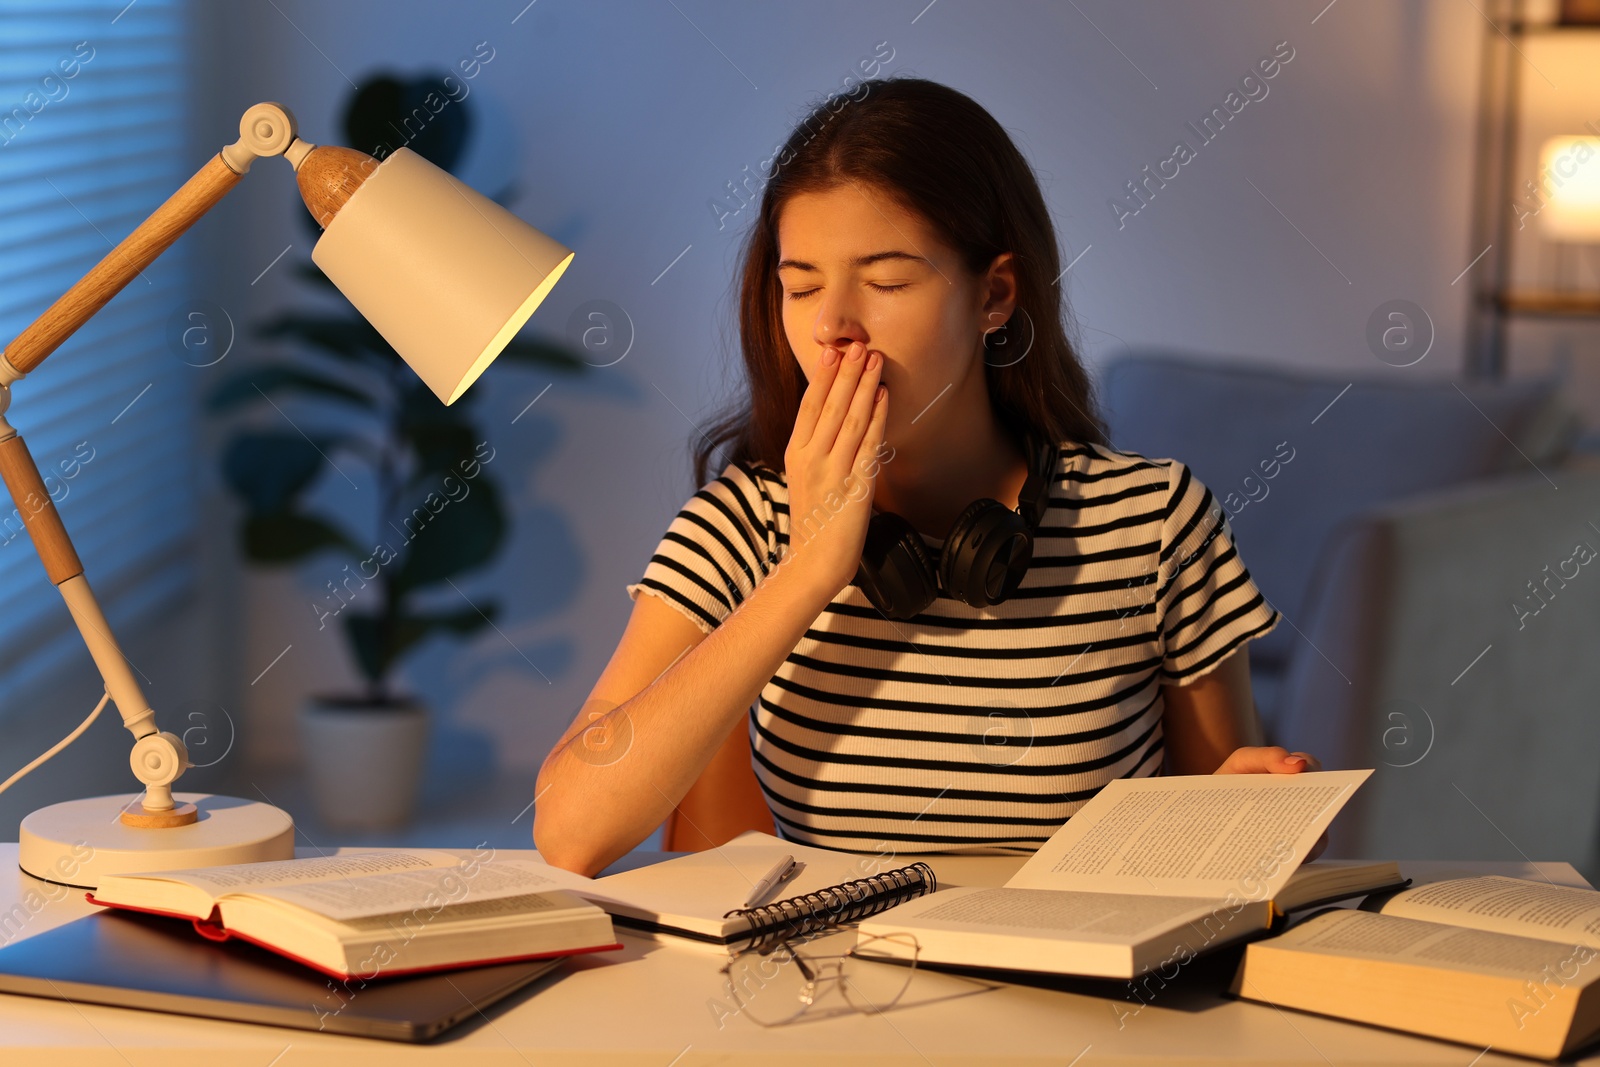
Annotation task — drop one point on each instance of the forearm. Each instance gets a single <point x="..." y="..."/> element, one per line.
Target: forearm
<point x="593" y="810"/>
<point x="1205" y="721"/>
<point x="1203" y="749"/>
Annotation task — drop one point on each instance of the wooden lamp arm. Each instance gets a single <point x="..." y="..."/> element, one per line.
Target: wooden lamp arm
<point x="267" y="129"/>
<point x="121" y="265"/>
<point x="38" y="510"/>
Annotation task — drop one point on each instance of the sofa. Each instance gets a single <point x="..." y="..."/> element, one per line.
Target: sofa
<point x="1427" y="541"/>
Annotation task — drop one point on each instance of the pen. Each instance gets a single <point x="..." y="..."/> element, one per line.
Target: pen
<point x="779" y="872"/>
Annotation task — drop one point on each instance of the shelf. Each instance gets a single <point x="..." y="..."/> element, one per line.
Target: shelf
<point x="1497" y="302"/>
<point x="1555" y="303"/>
<point x="1524" y="29"/>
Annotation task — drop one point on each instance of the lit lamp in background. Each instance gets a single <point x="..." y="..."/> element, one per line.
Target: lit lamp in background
<point x="1572" y="210"/>
<point x="446" y="275"/>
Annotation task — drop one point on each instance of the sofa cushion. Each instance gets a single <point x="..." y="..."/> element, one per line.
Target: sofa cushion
<point x="1290" y="454"/>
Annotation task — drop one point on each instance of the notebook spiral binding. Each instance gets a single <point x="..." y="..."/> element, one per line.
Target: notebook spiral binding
<point x="848" y="902"/>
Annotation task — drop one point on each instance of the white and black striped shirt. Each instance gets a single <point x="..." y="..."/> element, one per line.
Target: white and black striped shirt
<point x="977" y="729"/>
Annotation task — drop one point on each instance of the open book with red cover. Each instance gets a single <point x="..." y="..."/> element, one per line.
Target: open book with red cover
<point x="377" y="914"/>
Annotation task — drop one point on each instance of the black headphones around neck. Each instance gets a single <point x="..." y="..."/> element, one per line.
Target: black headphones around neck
<point x="982" y="561"/>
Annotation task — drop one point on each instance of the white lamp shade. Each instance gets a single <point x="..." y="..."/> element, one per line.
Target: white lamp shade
<point x="445" y="274"/>
<point x="1571" y="170"/>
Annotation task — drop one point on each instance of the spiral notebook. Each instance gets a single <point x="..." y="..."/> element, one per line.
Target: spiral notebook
<point x="698" y="898"/>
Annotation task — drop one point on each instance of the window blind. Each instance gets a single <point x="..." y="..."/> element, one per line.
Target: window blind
<point x="94" y="112"/>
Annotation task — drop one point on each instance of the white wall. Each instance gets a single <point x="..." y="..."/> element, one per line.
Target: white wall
<point x="169" y="649"/>
<point x="1345" y="187"/>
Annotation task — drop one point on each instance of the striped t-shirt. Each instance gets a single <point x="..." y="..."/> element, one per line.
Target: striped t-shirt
<point x="977" y="729"/>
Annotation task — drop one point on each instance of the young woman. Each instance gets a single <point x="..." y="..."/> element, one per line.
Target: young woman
<point x="902" y="331"/>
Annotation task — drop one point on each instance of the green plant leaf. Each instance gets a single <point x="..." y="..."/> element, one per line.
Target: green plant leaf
<point x="442" y="439"/>
<point x="347" y="337"/>
<point x="374" y="656"/>
<point x="420" y="408"/>
<point x="285" y="536"/>
<point x="312" y="273"/>
<point x="440" y="451"/>
<point x="462" y="623"/>
<point x="269" y="469"/>
<point x="255" y="385"/>
<point x="386" y="105"/>
<point x="376" y="651"/>
<point x="533" y="352"/>
<point x="452" y="535"/>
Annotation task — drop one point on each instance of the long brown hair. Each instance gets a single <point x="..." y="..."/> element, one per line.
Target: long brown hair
<point x="939" y="154"/>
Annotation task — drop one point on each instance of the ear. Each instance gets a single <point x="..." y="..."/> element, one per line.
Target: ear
<point x="997" y="293"/>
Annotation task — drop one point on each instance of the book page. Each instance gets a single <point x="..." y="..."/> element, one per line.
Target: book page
<point x="244" y="877"/>
<point x="514" y="910"/>
<point x="428" y="891"/>
<point x="1506" y="905"/>
<point x="1326" y="880"/>
<point x="1114" y="917"/>
<point x="1204" y="835"/>
<point x="1369" y="935"/>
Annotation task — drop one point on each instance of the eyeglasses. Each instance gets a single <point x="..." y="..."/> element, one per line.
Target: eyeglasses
<point x="780" y="985"/>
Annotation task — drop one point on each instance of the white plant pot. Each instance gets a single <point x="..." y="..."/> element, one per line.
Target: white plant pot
<point x="364" y="764"/>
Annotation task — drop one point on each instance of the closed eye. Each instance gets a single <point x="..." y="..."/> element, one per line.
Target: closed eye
<point x="871" y="285"/>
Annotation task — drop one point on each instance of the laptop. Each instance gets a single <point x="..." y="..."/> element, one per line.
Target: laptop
<point x="132" y="960"/>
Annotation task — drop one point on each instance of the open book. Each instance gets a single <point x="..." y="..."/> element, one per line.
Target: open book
<point x="1489" y="960"/>
<point x="1150" y="872"/>
<point x="377" y="913"/>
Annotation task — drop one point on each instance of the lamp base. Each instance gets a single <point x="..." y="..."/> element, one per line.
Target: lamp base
<point x="78" y="842"/>
<point x="177" y="815"/>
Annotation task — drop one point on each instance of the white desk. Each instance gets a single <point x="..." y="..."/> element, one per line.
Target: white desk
<point x="648" y="1005"/>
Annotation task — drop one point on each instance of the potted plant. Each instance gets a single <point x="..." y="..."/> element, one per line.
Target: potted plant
<point x="439" y="513"/>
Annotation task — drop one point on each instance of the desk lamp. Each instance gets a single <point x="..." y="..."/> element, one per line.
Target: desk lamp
<point x="446" y="275"/>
